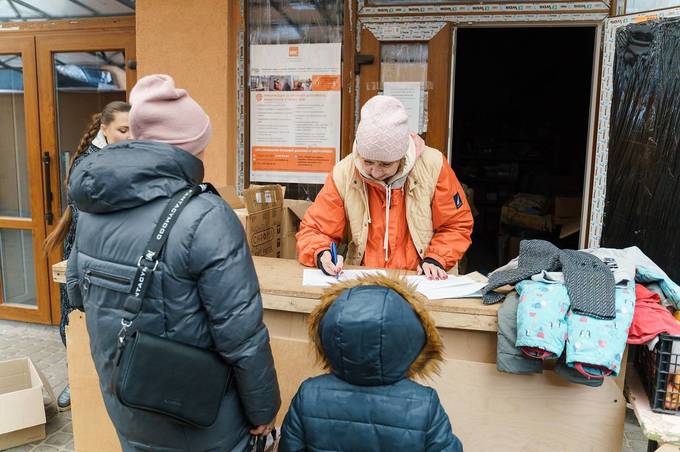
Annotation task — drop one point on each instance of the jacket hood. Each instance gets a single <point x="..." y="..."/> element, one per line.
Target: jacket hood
<point x="375" y="330"/>
<point x="131" y="173"/>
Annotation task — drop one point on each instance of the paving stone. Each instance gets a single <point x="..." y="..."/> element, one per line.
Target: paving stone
<point x="56" y="424"/>
<point x="45" y="448"/>
<point x="635" y="434"/>
<point x="626" y="447"/>
<point x="638" y="446"/>
<point x="24" y="448"/>
<point x="58" y="439"/>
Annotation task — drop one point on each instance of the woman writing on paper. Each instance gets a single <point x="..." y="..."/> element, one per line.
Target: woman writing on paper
<point x="398" y="201"/>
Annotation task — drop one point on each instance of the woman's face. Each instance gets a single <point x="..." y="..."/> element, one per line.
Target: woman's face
<point x="118" y="129"/>
<point x="380" y="170"/>
<point x="277" y="85"/>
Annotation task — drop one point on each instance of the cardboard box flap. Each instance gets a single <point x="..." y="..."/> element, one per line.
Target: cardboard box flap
<point x="266" y="197"/>
<point x="22" y="408"/>
<point x="228" y="193"/>
<point x="14" y="376"/>
<point x="297" y="207"/>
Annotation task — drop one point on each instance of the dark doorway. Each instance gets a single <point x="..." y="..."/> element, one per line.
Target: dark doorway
<point x="520" y="126"/>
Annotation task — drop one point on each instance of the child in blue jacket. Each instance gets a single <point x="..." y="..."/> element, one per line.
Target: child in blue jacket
<point x="373" y="334"/>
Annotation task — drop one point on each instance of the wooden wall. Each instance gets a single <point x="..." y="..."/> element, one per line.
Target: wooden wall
<point x="195" y="42"/>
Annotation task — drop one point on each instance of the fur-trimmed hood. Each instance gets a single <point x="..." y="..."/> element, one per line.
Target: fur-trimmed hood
<point x="375" y="330"/>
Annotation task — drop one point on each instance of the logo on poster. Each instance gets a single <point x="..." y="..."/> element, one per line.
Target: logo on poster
<point x="293" y="51"/>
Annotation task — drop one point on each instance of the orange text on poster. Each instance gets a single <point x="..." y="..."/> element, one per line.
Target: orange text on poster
<point x="325" y="83"/>
<point x="293" y="159"/>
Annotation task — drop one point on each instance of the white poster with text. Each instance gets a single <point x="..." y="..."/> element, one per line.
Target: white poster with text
<point x="294" y="112"/>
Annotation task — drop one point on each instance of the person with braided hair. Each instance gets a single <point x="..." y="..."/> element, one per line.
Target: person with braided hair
<point x="108" y="127"/>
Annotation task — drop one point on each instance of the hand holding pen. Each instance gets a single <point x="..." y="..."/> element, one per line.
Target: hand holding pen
<point x="331" y="262"/>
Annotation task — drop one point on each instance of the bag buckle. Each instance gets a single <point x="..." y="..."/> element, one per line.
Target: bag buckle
<point x="155" y="263"/>
<point x="125" y="324"/>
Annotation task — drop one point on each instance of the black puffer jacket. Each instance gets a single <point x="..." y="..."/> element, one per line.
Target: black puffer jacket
<point x="204" y="293"/>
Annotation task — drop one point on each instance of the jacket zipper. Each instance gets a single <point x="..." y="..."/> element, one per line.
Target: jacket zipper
<point x="102" y="275"/>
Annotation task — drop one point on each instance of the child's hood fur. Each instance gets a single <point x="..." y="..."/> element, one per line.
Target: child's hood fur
<point x="431" y="355"/>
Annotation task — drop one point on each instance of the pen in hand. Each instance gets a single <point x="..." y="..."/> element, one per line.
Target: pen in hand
<point x="334" y="258"/>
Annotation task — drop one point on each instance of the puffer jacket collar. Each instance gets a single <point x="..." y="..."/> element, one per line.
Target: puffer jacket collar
<point x="132" y="173"/>
<point x="425" y="364"/>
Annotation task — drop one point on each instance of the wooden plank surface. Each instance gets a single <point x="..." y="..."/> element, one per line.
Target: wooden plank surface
<point x="489" y="411"/>
<point x="284" y="277"/>
<point x="281" y="287"/>
<point x="662" y="428"/>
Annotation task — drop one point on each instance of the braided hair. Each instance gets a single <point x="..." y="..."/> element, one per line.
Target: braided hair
<point x="106" y="117"/>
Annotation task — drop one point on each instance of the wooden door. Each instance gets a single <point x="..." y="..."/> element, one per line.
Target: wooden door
<point x="427" y="62"/>
<point x="79" y="73"/>
<point x="24" y="276"/>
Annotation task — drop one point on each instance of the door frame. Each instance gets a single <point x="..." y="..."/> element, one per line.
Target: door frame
<point x="36" y="224"/>
<point x="46" y="45"/>
<point x="438" y="74"/>
<point x="592" y="109"/>
<point x="595" y="19"/>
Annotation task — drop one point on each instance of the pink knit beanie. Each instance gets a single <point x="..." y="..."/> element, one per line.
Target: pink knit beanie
<point x="161" y="112"/>
<point x="382" y="134"/>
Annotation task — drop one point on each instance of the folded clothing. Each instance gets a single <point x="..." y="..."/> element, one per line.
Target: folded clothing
<point x="547" y="327"/>
<point x="541" y="319"/>
<point x="589" y="281"/>
<point x="650" y="318"/>
<point x="596" y="346"/>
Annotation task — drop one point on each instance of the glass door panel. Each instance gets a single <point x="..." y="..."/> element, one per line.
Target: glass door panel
<point x="24" y="285"/>
<point x="79" y="75"/>
<point x="84" y="83"/>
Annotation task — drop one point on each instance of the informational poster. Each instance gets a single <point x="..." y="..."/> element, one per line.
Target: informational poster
<point x="294" y="112"/>
<point x="410" y="94"/>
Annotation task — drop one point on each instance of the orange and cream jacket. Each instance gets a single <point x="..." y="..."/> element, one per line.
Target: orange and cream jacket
<point x="420" y="212"/>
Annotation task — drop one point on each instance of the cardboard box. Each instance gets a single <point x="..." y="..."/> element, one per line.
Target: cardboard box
<point x="228" y="193"/>
<point x="567" y="208"/>
<point x="293" y="212"/>
<point x="527" y="211"/>
<point x="526" y="220"/>
<point x="567" y="214"/>
<point x="22" y="411"/>
<point x="261" y="219"/>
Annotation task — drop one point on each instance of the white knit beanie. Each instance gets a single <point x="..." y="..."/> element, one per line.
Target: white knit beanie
<point x="382" y="134"/>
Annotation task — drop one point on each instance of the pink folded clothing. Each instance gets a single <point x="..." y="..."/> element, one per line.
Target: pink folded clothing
<point x="650" y="318"/>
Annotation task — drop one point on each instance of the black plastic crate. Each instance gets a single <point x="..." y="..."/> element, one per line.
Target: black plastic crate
<point x="659" y="370"/>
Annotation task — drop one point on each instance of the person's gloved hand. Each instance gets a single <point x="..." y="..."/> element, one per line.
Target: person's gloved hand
<point x="324" y="261"/>
<point x="432" y="269"/>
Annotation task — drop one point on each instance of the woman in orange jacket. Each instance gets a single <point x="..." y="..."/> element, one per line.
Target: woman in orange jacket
<point x="396" y="202"/>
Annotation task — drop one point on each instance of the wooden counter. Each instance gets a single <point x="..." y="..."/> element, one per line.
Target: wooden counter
<point x="489" y="410"/>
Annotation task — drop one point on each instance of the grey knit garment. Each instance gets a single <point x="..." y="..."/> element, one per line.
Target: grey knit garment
<point x="589" y="281"/>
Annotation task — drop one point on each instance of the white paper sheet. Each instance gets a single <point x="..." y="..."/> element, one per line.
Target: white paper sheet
<point x="453" y="287"/>
<point x="311" y="277"/>
<point x="409" y="93"/>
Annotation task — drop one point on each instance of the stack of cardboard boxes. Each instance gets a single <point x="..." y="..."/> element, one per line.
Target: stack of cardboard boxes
<point x="270" y="221"/>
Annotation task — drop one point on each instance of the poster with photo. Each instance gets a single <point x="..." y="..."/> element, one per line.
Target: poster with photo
<point x="295" y="112"/>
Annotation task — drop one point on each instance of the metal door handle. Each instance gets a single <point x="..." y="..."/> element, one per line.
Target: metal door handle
<point x="49" y="217"/>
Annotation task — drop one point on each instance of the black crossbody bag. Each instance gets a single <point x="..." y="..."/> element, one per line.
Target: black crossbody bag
<point x="156" y="374"/>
